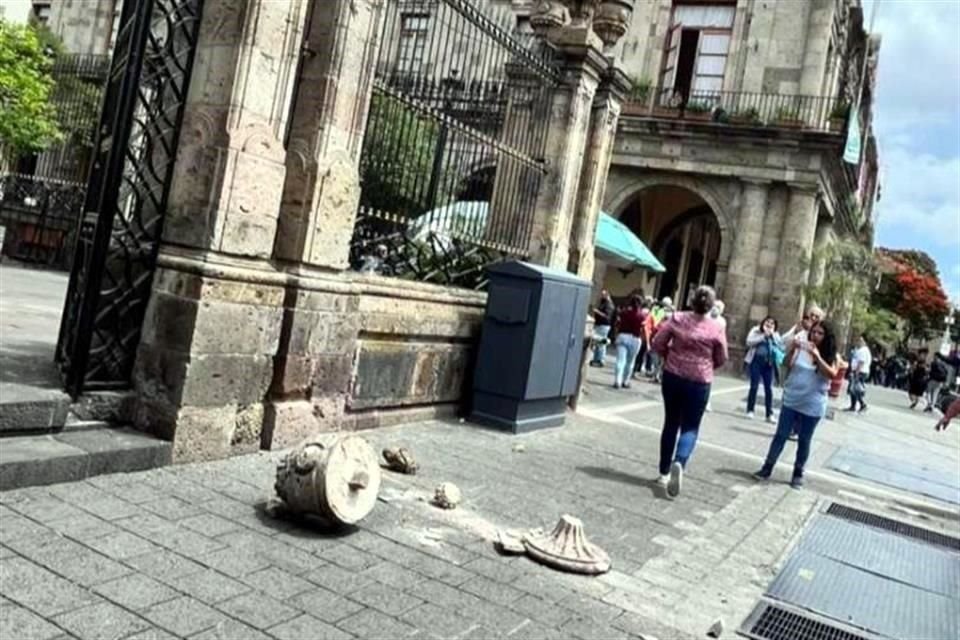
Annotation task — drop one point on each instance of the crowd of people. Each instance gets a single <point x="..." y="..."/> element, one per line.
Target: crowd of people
<point x="680" y="350"/>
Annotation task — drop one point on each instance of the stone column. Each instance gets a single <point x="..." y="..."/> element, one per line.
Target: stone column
<point x="739" y="286"/>
<point x="821" y="243"/>
<point x="212" y="325"/>
<point x="322" y="188"/>
<point x="314" y="358"/>
<point x="567" y="138"/>
<point x="768" y="257"/>
<point x="596" y="166"/>
<point x="796" y="249"/>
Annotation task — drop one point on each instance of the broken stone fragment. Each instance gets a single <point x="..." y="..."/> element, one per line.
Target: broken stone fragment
<point x="509" y="542"/>
<point x="400" y="459"/>
<point x="567" y="548"/>
<point x="716" y="629"/>
<point x="447" y="496"/>
<point x="335" y="480"/>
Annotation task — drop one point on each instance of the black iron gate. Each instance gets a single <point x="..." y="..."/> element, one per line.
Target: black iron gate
<point x="118" y="234"/>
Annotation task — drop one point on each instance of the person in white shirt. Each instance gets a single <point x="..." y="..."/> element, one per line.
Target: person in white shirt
<point x="860" y="362"/>
<point x="798" y="332"/>
<point x="717" y="315"/>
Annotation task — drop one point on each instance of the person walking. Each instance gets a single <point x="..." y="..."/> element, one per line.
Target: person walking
<point x="691" y="345"/>
<point x="811" y="366"/>
<point x="938" y="377"/>
<point x="603" y="316"/>
<point x="717" y="315"/>
<point x="764" y="354"/>
<point x="860" y="362"/>
<point x="919" y="377"/>
<point x="629" y="330"/>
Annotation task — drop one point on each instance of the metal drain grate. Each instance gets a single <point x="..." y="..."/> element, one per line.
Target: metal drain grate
<point x="776" y="623"/>
<point x="888" y="524"/>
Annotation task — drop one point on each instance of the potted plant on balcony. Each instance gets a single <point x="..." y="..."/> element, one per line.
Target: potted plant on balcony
<point x="698" y="110"/>
<point x="788" y="117"/>
<point x="838" y="117"/>
<point x="750" y="116"/>
<point x="638" y="97"/>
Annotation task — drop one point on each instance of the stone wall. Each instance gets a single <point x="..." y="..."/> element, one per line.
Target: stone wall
<point x="84" y="26"/>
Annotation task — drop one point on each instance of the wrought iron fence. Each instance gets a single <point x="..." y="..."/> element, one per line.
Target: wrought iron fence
<point x="792" y="111"/>
<point x="453" y="152"/>
<point x="118" y="235"/>
<point x="42" y="193"/>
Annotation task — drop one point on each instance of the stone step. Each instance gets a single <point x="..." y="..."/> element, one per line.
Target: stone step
<point x="74" y="454"/>
<point x="26" y="408"/>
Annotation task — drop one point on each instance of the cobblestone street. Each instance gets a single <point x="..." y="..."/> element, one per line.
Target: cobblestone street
<point x="192" y="551"/>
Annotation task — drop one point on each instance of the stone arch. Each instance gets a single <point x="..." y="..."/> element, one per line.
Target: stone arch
<point x="621" y="198"/>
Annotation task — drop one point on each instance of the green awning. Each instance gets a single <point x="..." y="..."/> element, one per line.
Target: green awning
<point x="617" y="245"/>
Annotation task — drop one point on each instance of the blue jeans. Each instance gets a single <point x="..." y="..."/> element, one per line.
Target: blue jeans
<point x="684" y="402"/>
<point x="600" y="334"/>
<point x="804" y="426"/>
<point x="628" y="346"/>
<point x="760" y="371"/>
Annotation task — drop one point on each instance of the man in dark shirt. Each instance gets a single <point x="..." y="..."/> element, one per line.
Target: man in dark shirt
<point x="603" y="317"/>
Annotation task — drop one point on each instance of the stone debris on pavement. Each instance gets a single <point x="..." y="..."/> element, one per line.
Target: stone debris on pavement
<point x="716" y="629"/>
<point x="447" y="496"/>
<point x="510" y="543"/>
<point x="336" y="481"/>
<point x="567" y="548"/>
<point x="401" y="460"/>
<point x="519" y="448"/>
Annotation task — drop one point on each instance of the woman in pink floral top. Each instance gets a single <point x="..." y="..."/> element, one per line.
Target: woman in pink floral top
<point x="692" y="345"/>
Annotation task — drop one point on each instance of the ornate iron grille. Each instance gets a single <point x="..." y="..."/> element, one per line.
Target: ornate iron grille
<point x="117" y="238"/>
<point x="453" y="154"/>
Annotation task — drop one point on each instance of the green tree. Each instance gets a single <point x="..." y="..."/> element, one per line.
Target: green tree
<point x="849" y="270"/>
<point x="28" y="119"/>
<point x="881" y="326"/>
<point x="398" y="157"/>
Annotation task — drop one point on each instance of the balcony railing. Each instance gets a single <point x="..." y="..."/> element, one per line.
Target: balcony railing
<point x="741" y="108"/>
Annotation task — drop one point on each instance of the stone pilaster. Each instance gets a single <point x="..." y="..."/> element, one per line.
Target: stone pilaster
<point x="205" y="360"/>
<point x="768" y="257"/>
<point x="596" y="166"/>
<point x="567" y="138"/>
<point x="322" y="188"/>
<point x="741" y="274"/>
<point x="796" y="249"/>
<point x="821" y="244"/>
<point x="315" y="357"/>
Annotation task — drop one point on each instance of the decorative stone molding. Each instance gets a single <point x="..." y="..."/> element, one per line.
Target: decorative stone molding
<point x="612" y="20"/>
<point x="567" y="548"/>
<point x="336" y="482"/>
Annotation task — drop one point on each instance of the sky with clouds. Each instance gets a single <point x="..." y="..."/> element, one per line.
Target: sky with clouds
<point x="917" y="122"/>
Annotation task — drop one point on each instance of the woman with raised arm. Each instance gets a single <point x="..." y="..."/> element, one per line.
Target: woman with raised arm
<point x="813" y="363"/>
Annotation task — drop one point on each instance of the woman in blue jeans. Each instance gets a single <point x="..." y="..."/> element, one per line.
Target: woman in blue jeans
<point x="812" y="365"/>
<point x="629" y="337"/>
<point x="763" y="344"/>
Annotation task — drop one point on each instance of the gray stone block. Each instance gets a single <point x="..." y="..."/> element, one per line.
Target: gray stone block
<point x="307" y="627"/>
<point x="103" y="621"/>
<point x="209" y="586"/>
<point x="230" y="630"/>
<point x="136" y="591"/>
<point x="386" y="599"/>
<point x="17" y="622"/>
<point x="277" y="583"/>
<point x="184" y="616"/>
<point x="373" y="624"/>
<point x="258" y="610"/>
<point x="326" y="605"/>
<point x="40" y="590"/>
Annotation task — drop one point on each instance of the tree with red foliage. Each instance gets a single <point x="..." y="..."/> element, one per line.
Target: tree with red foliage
<point x="921" y="301"/>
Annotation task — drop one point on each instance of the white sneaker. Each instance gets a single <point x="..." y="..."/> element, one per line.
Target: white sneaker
<point x="662" y="480"/>
<point x="676" y="480"/>
<point x="771" y="420"/>
<point x="750" y="415"/>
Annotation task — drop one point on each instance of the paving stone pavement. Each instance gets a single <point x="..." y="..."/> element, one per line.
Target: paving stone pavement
<point x="193" y="551"/>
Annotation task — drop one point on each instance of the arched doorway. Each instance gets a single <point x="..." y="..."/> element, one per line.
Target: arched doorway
<point x="682" y="230"/>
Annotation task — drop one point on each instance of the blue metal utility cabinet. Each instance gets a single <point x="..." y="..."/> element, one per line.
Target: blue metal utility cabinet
<point x="531" y="347"/>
